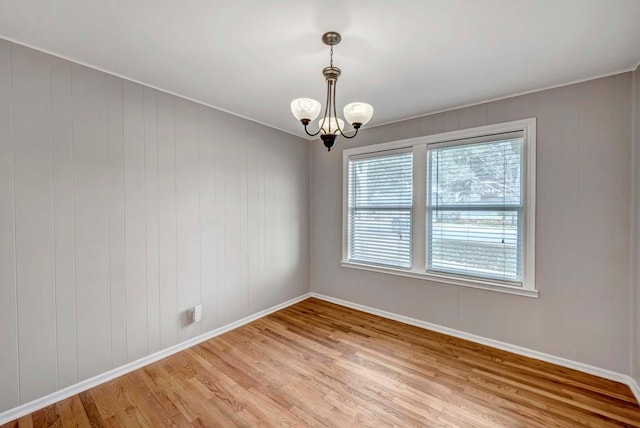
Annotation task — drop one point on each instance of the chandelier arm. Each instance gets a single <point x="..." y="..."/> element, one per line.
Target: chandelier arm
<point x="309" y="133"/>
<point x="327" y="108"/>
<point x="349" y="137"/>
<point x="335" y="113"/>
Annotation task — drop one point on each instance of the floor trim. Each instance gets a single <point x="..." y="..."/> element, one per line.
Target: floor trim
<point x="586" y="368"/>
<point x="54" y="397"/>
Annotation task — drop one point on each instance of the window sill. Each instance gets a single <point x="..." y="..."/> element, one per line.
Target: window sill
<point x="482" y="285"/>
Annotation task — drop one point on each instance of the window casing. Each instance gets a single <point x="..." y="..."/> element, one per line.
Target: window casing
<point x="472" y="217"/>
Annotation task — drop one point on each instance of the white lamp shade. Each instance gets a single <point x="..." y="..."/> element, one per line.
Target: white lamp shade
<point x="305" y="108"/>
<point x="330" y="126"/>
<point x="358" y="113"/>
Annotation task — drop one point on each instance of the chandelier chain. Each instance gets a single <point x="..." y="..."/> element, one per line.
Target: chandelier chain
<point x="331" y="57"/>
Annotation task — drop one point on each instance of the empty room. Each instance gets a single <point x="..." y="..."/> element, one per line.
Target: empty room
<point x="200" y="227"/>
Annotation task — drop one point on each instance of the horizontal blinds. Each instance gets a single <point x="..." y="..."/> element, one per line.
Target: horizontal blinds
<point x="474" y="213"/>
<point x="380" y="202"/>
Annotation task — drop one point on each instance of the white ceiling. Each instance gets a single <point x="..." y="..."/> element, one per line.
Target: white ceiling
<point x="406" y="57"/>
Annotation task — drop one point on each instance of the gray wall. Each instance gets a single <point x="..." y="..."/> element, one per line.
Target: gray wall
<point x="121" y="207"/>
<point x="583" y="229"/>
<point x="636" y="219"/>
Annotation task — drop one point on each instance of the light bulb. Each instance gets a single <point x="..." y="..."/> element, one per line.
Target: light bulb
<point x="330" y="126"/>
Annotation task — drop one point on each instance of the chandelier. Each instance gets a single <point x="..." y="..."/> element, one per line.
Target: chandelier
<point x="331" y="126"/>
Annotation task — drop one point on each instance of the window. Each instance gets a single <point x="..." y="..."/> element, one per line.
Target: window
<point x="474" y="214"/>
<point x="380" y="205"/>
<point x="455" y="207"/>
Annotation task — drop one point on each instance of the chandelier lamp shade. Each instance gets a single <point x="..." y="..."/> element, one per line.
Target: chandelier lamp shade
<point x="331" y="126"/>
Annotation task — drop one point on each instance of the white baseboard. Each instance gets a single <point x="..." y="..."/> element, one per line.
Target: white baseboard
<point x="54" y="397"/>
<point x="586" y="368"/>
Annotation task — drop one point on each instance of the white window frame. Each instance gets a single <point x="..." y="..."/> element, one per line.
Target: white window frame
<point x="419" y="234"/>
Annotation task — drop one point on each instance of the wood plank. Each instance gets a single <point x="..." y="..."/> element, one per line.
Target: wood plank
<point x="187" y="215"/>
<point x="9" y="395"/>
<point x="319" y="364"/>
<point x="116" y="222"/>
<point x="167" y="221"/>
<point x="25" y="422"/>
<point x="63" y="184"/>
<point x="49" y="417"/>
<point x="93" y="414"/>
<point x="91" y="221"/>
<point x="209" y="227"/>
<point x="135" y="218"/>
<point x="72" y="412"/>
<point x="151" y="223"/>
<point x="34" y="230"/>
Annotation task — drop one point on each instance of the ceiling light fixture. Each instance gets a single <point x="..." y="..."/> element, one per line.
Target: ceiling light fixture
<point x="331" y="126"/>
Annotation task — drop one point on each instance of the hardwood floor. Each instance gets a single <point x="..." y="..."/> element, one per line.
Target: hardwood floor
<point x="319" y="364"/>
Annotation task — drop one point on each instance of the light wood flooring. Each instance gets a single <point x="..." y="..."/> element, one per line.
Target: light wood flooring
<point x="319" y="364"/>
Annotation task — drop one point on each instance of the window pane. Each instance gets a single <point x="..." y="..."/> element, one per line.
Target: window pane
<point x="477" y="174"/>
<point x="476" y="243"/>
<point x="474" y="214"/>
<point x="381" y="237"/>
<point x="380" y="200"/>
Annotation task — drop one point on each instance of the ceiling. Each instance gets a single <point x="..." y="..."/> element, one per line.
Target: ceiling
<point x="407" y="57"/>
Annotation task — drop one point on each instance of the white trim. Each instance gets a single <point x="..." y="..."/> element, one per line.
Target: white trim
<point x="428" y="276"/>
<point x="525" y="125"/>
<point x="419" y="214"/>
<point x="345" y="206"/>
<point x="519" y="350"/>
<point x="381" y="153"/>
<point x="420" y="145"/>
<point x="530" y="172"/>
<point x="79" y="387"/>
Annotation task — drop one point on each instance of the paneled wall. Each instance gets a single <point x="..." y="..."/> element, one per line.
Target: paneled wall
<point x="120" y="208"/>
<point x="636" y="219"/>
<point x="583" y="229"/>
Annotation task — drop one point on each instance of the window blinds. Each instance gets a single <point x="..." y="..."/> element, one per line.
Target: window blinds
<point x="475" y="209"/>
<point x="380" y="201"/>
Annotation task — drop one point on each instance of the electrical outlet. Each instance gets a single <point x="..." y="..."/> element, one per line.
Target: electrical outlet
<point x="195" y="314"/>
